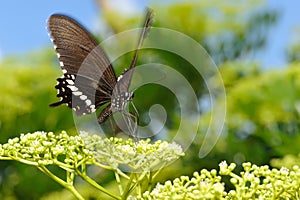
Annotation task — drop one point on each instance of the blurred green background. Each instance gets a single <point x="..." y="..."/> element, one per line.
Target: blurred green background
<point x="262" y="121"/>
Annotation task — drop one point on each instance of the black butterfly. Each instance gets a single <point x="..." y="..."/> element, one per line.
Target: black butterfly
<point x="89" y="80"/>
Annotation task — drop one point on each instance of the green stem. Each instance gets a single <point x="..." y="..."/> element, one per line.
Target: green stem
<point x="122" y="174"/>
<point x="102" y="166"/>
<point x="96" y="185"/>
<point x="64" y="166"/>
<point x="68" y="186"/>
<point x="33" y="163"/>
<point x="119" y="182"/>
<point x="238" y="178"/>
<point x="129" y="186"/>
<point x="70" y="177"/>
<point x="5" y="158"/>
<point x="142" y="178"/>
<point x="158" y="171"/>
<point x="150" y="179"/>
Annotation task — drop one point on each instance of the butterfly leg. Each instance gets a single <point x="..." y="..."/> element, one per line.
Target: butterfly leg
<point x="136" y="118"/>
<point x="136" y="114"/>
<point x="113" y="128"/>
<point x="131" y="123"/>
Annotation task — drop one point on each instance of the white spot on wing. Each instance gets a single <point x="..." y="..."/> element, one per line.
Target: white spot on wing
<point x="88" y="102"/>
<point x="64" y="71"/>
<point x="70" y="82"/>
<point x="119" y="78"/>
<point x="83" y="97"/>
<point x="61" y="63"/>
<point x="73" y="88"/>
<point x="92" y="108"/>
<point x="77" y="93"/>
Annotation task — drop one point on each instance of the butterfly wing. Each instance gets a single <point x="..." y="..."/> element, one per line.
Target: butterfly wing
<point x="125" y="78"/>
<point x="88" y="78"/>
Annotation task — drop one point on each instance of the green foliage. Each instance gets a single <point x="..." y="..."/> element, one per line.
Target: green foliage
<point x="264" y="108"/>
<point x="228" y="30"/>
<point x="235" y="71"/>
<point x="266" y="100"/>
<point x="262" y="115"/>
<point x="27" y="88"/>
<point x="262" y="119"/>
<point x="288" y="161"/>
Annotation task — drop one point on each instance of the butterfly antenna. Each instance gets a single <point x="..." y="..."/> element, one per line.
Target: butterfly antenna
<point x="147" y="24"/>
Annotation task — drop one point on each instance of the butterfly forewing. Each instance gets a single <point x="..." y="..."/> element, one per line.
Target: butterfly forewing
<point x="88" y="75"/>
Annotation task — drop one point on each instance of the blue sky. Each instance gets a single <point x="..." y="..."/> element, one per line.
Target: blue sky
<point x="281" y="35"/>
<point x="23" y="25"/>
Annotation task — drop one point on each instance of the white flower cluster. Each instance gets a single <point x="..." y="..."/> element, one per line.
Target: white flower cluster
<point x="41" y="148"/>
<point x="254" y="182"/>
<point x="206" y="185"/>
<point x="135" y="156"/>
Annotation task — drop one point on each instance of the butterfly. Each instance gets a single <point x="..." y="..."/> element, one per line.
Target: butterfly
<point x="88" y="79"/>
